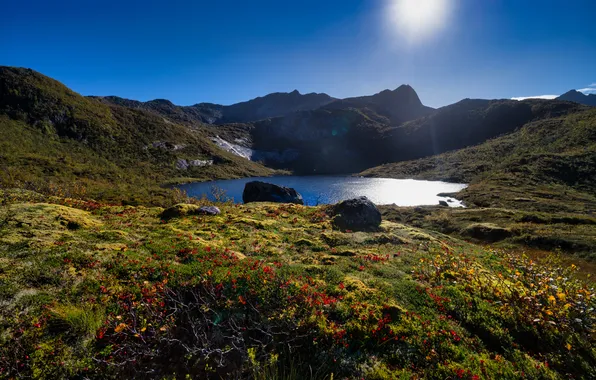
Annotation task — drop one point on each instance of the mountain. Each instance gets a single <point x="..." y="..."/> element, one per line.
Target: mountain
<point x="351" y="135"/>
<point x="341" y="137"/>
<point x="272" y="105"/>
<point x="51" y="136"/>
<point x="578" y="97"/>
<point x="388" y="107"/>
<point x="313" y="134"/>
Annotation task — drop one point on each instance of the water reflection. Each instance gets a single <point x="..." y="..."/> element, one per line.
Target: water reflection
<point x="332" y="189"/>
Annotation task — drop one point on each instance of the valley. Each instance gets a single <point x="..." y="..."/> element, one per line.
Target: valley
<point x="108" y="271"/>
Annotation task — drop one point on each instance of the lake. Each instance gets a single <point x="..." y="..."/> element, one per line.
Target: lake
<point x="332" y="189"/>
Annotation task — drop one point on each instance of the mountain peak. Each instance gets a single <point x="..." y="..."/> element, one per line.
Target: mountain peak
<point x="403" y="95"/>
<point x="295" y="92"/>
<point x="579" y="97"/>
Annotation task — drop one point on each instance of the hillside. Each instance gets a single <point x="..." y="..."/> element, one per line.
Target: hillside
<point x="50" y="135"/>
<point x="560" y="149"/>
<point x="466" y="123"/>
<point x="578" y="97"/>
<point x="536" y="184"/>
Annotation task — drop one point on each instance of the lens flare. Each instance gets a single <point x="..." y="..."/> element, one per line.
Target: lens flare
<point x="418" y="20"/>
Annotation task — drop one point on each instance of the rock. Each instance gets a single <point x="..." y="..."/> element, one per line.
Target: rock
<point x="358" y="214"/>
<point x="450" y="200"/>
<point x="486" y="232"/>
<point x="209" y="210"/>
<point x="443" y="203"/>
<point x="447" y="194"/>
<point x="200" y="162"/>
<point x="165" y="145"/>
<point x="257" y="191"/>
<point x="183" y="209"/>
<point x="182" y="164"/>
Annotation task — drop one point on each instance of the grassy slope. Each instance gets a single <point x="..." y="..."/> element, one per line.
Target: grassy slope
<point x="50" y="134"/>
<point x="538" y="149"/>
<point x="108" y="292"/>
<point x="542" y="172"/>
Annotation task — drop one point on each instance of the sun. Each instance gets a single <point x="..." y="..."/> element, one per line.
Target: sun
<point x="418" y="20"/>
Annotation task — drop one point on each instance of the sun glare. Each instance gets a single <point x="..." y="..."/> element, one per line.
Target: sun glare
<point x="418" y="20"/>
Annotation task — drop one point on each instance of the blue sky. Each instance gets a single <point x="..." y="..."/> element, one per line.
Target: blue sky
<point x="228" y="51"/>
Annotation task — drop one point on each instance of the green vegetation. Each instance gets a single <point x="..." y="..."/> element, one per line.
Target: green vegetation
<point x="271" y="291"/>
<point x="97" y="281"/>
<point x="52" y="138"/>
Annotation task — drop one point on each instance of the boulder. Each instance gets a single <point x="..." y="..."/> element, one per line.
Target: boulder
<point x="184" y="209"/>
<point x="257" y="191"/>
<point x="358" y="214"/>
<point x="443" y="203"/>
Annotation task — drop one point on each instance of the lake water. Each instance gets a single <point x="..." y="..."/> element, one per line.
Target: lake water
<point x="332" y="189"/>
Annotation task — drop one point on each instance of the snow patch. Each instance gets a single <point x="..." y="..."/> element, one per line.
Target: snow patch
<point x="236" y="149"/>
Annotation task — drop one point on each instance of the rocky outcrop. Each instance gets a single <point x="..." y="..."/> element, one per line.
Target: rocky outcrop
<point x="358" y="214"/>
<point x="209" y="210"/>
<point x="184" y="209"/>
<point x="165" y="145"/>
<point x="257" y="191"/>
<point x="184" y="164"/>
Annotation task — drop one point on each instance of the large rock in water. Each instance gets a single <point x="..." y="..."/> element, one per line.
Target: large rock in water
<point x="257" y="191"/>
<point x="358" y="214"/>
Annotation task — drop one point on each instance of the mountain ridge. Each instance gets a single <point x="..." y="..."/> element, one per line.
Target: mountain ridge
<point x="579" y="97"/>
<point x="280" y="104"/>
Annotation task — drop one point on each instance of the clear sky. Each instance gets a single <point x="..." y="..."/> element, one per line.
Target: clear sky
<point x="226" y="51"/>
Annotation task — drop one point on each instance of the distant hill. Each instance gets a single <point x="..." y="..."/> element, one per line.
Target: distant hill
<point x="578" y="97"/>
<point x="52" y="135"/>
<point x="203" y="113"/>
<point x="272" y="105"/>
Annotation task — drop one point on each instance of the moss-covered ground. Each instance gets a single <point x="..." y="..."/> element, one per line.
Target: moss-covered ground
<point x="90" y="290"/>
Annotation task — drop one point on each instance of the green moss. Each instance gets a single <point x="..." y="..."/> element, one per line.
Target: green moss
<point x="409" y="281"/>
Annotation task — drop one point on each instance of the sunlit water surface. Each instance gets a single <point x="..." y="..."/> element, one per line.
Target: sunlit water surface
<point x="332" y="189"/>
